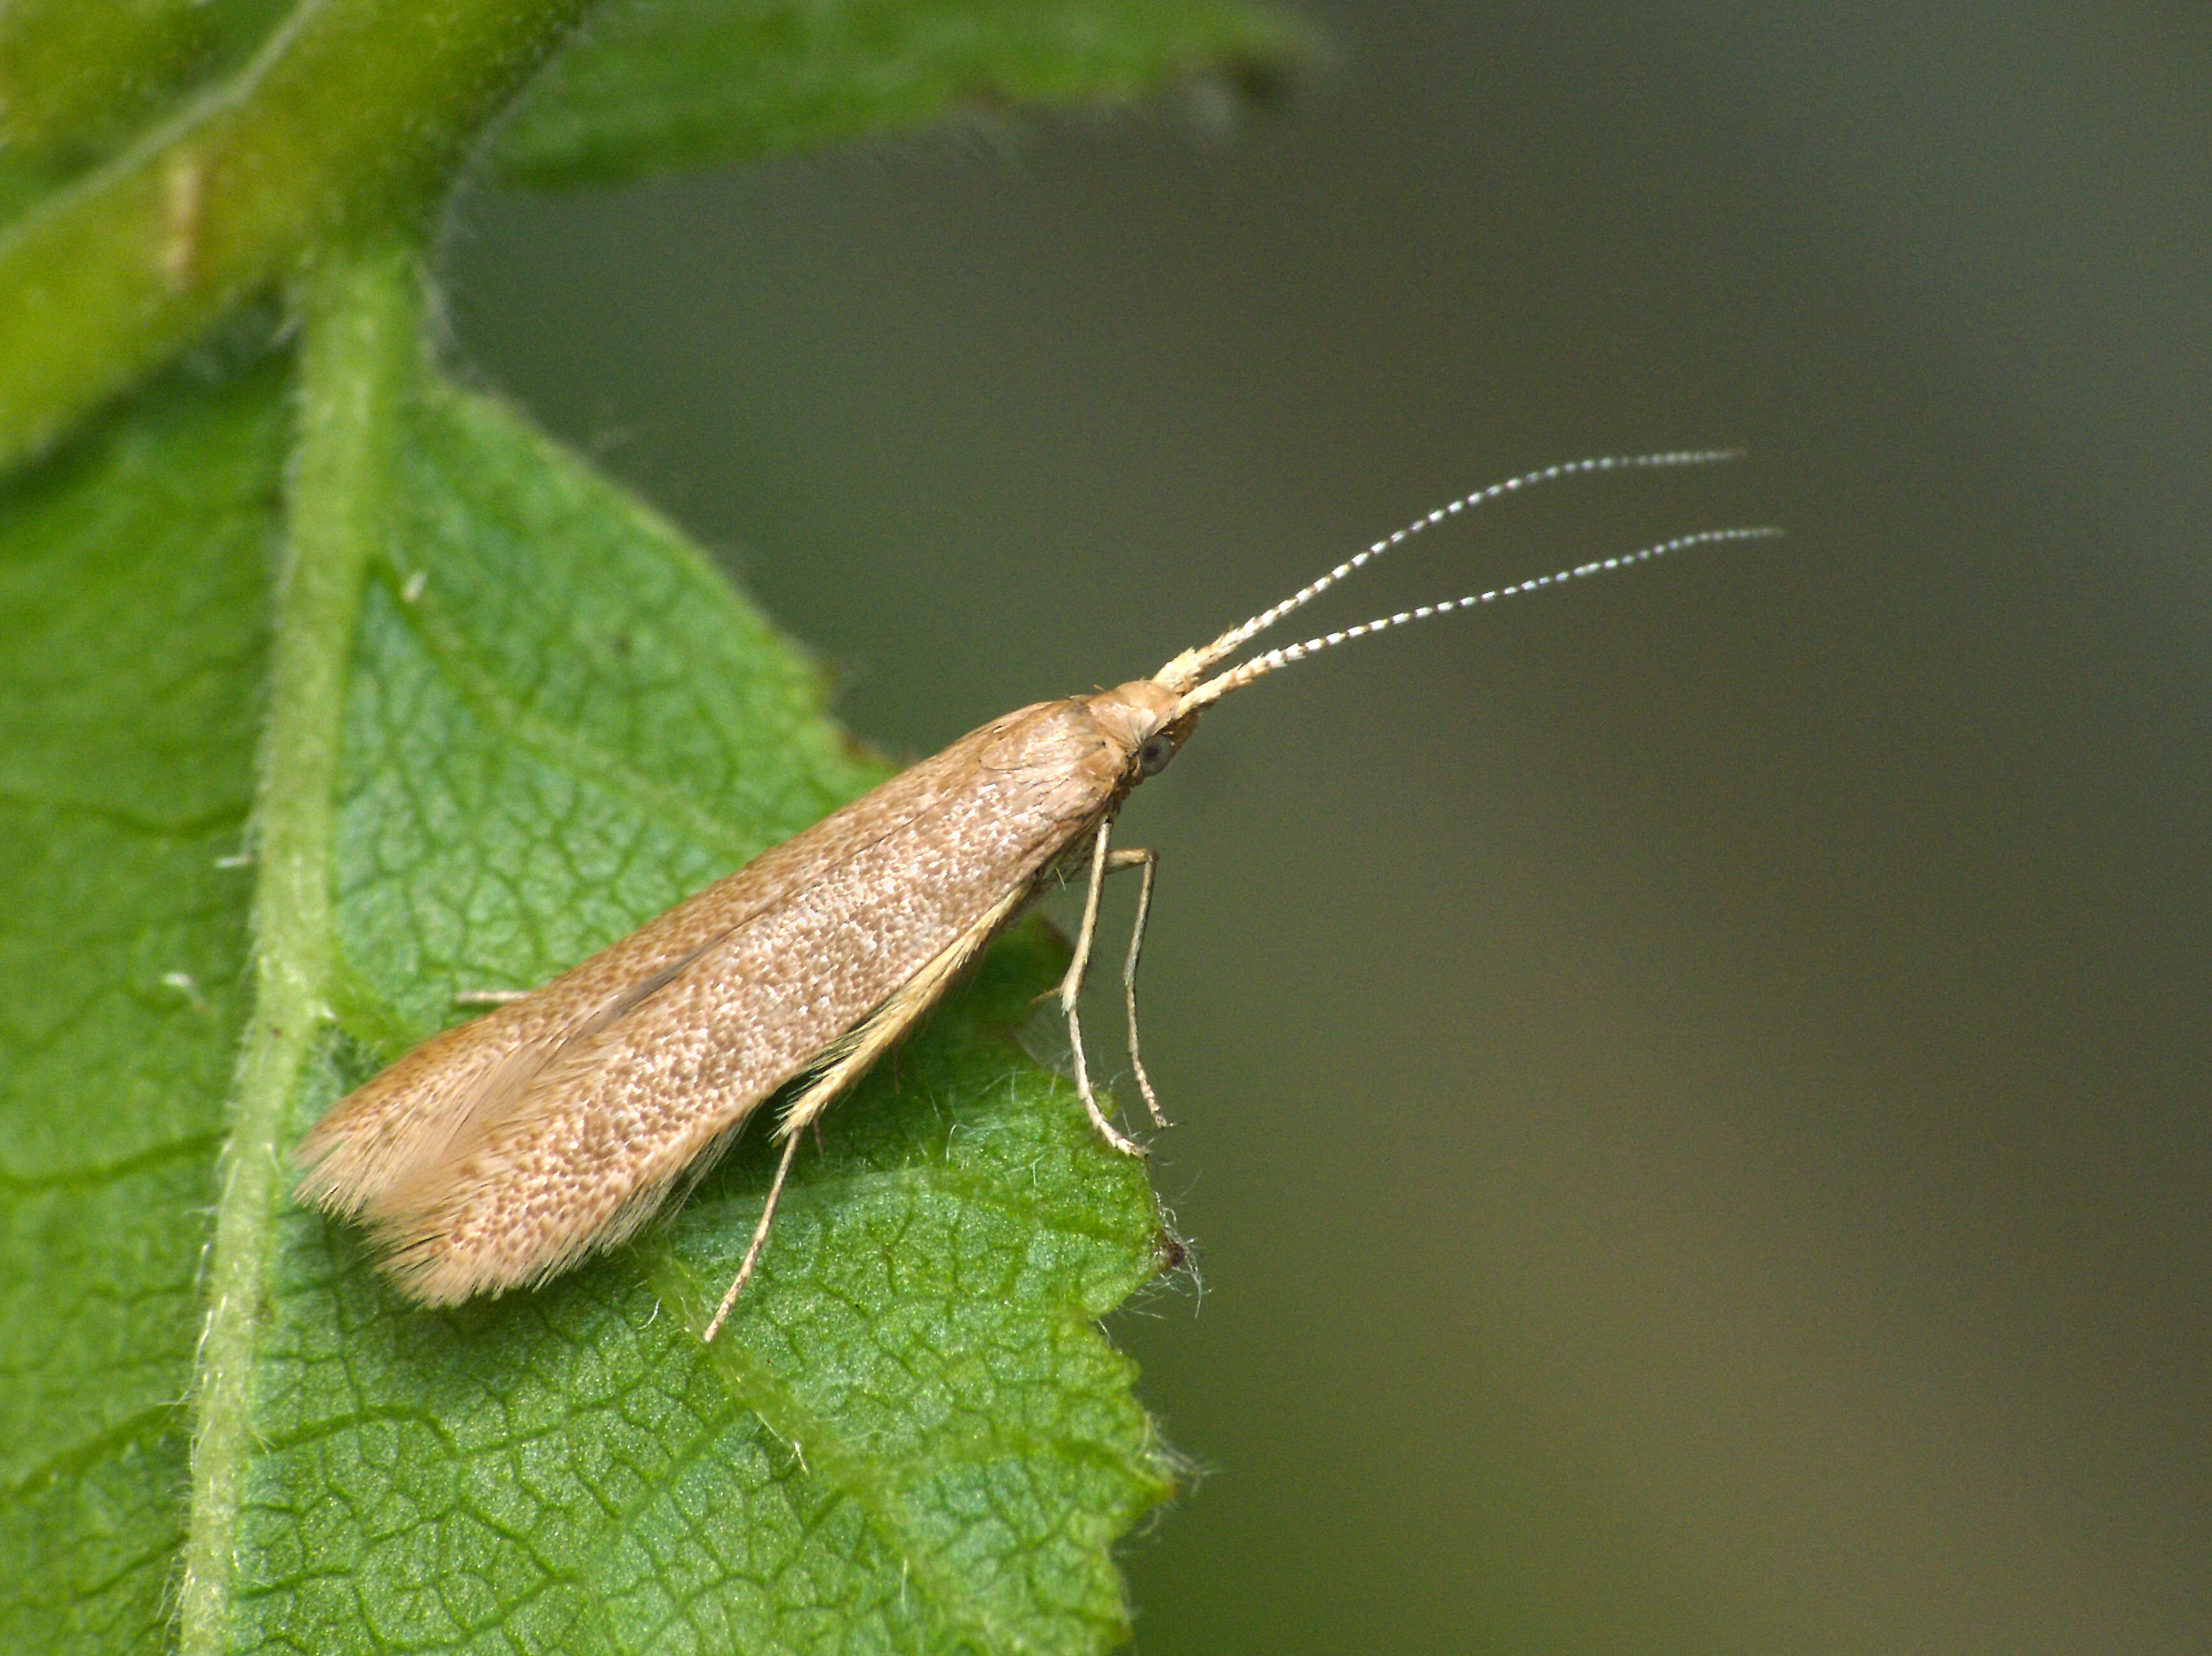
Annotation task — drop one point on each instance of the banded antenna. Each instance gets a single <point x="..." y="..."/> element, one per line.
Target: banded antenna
<point x="1185" y="670"/>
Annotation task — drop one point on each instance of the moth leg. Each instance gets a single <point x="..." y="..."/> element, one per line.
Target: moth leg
<point x="1150" y="862"/>
<point x="1070" y="991"/>
<point x="759" y="1241"/>
<point x="491" y="997"/>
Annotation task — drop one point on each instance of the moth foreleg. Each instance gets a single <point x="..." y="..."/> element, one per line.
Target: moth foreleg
<point x="1071" y="992"/>
<point x="491" y="997"/>
<point x="759" y="1241"/>
<point x="1150" y="862"/>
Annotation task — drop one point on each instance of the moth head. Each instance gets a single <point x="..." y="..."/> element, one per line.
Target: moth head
<point x="1144" y="720"/>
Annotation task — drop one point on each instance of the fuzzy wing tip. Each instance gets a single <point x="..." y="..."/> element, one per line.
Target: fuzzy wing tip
<point x="325" y="1182"/>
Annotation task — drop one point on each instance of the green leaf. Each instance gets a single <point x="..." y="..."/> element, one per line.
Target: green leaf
<point x="556" y="718"/>
<point x="652" y="84"/>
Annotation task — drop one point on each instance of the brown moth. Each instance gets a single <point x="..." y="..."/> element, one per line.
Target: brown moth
<point x="501" y="1152"/>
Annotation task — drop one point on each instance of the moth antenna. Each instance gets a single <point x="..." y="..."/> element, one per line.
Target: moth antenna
<point x="1260" y="665"/>
<point x="1185" y="670"/>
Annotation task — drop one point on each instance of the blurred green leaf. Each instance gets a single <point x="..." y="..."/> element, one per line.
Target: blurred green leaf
<point x="352" y="120"/>
<point x="24" y="184"/>
<point x="654" y="84"/>
<point x="76" y="81"/>
<point x="560" y="718"/>
<point x="74" y="78"/>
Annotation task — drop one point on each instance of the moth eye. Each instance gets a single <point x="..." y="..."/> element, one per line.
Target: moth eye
<point x="1152" y="758"/>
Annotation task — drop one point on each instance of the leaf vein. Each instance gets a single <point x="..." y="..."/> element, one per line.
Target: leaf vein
<point x="359" y="355"/>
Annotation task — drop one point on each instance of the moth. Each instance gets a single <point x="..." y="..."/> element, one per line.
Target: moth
<point x="501" y="1152"/>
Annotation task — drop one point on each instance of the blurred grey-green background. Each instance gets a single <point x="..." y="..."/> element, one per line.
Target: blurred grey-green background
<point x="1695" y="1105"/>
